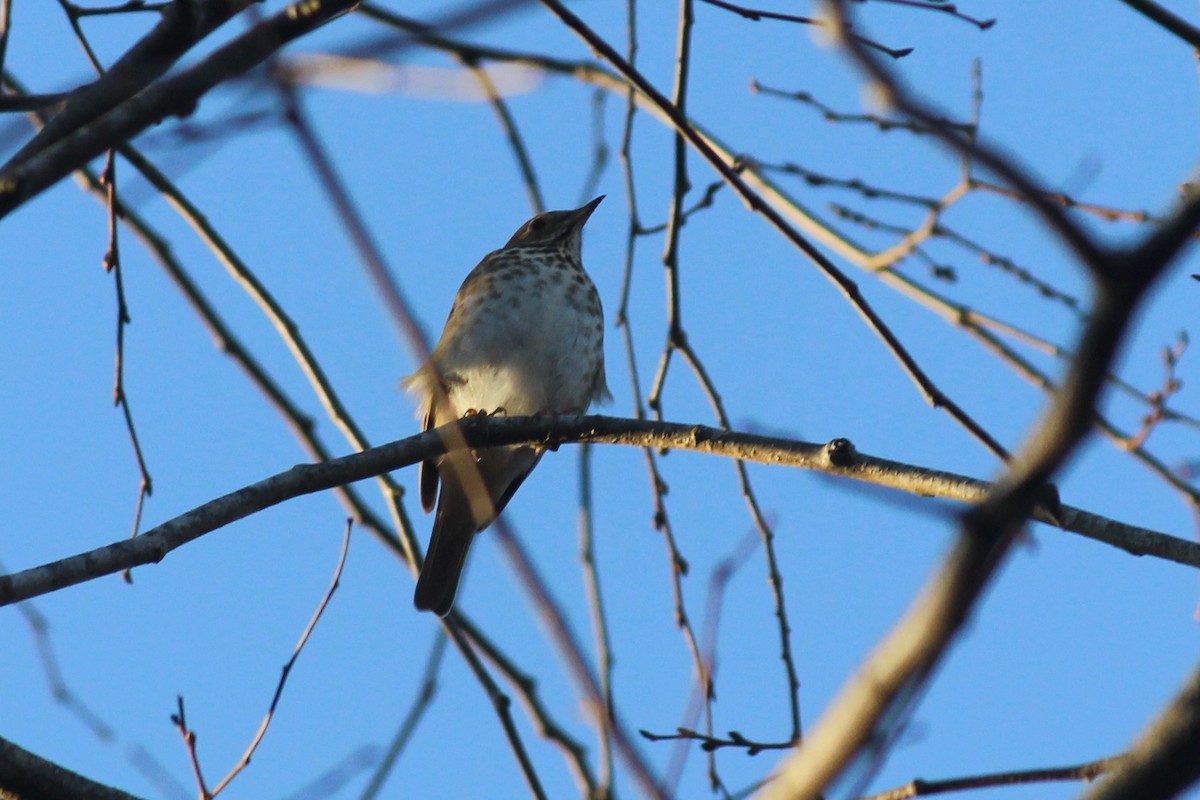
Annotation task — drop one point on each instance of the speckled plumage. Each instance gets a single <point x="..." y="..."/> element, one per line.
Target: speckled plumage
<point x="525" y="336"/>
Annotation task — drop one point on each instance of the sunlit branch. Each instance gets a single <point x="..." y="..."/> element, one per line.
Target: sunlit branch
<point x="836" y="458"/>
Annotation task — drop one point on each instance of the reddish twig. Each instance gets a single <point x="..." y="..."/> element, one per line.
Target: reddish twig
<point x="189" y="735"/>
<point x="287" y="667"/>
<point x="189" y="741"/>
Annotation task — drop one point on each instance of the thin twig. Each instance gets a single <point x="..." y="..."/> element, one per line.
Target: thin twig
<point x="426" y="691"/>
<point x="600" y="632"/>
<point x="883" y="124"/>
<point x="758" y="15"/>
<point x="129" y="6"/>
<point x="179" y="718"/>
<point x="291" y="662"/>
<point x="718" y="583"/>
<point x="568" y="645"/>
<point x="73" y="15"/>
<point x="112" y="264"/>
<point x="525" y="686"/>
<point x="512" y="133"/>
<point x="501" y="703"/>
<point x="944" y="8"/>
<point x="705" y="146"/>
<point x="1087" y="772"/>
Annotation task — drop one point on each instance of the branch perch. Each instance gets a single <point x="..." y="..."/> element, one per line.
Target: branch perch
<point x="836" y="458"/>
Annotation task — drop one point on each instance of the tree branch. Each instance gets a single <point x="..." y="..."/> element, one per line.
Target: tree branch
<point x="1167" y="20"/>
<point x="893" y="675"/>
<point x="175" y="96"/>
<point x="835" y="458"/>
<point x="1163" y="762"/>
<point x="25" y="776"/>
<point x="183" y="24"/>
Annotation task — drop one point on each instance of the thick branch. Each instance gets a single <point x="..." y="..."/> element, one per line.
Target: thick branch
<point x="1169" y="21"/>
<point x="894" y="673"/>
<point x="183" y="24"/>
<point x="836" y="458"/>
<point x="25" y="776"/>
<point x="175" y="96"/>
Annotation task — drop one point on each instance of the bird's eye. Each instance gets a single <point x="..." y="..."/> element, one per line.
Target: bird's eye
<point x="537" y="224"/>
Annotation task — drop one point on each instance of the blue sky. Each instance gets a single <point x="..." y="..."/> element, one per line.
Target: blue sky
<point x="1072" y="652"/>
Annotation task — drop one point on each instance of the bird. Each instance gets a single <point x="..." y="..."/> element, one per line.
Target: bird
<point x="525" y="336"/>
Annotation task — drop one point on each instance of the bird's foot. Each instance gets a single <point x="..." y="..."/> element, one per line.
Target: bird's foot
<point x="479" y="412"/>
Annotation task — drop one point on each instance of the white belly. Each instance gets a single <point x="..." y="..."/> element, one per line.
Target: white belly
<point x="540" y="357"/>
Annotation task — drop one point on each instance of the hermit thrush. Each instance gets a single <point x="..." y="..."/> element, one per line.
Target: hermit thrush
<point x="525" y="336"/>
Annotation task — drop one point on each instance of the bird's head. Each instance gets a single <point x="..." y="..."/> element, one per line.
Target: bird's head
<point x="562" y="228"/>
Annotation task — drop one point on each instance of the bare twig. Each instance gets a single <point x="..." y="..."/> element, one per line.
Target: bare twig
<point x="757" y="15"/>
<point x="112" y="264"/>
<point x="244" y="761"/>
<point x="500" y="702"/>
<point x="179" y="719"/>
<point x="568" y="645"/>
<point x="1079" y="772"/>
<point x="1158" y="398"/>
<point x="944" y="8"/>
<point x="718" y="583"/>
<point x="883" y="124"/>
<point x="600" y="632"/>
<point x="129" y="6"/>
<point x="425" y="694"/>
<point x="72" y="13"/>
<point x="525" y="687"/>
<point x="711" y="744"/>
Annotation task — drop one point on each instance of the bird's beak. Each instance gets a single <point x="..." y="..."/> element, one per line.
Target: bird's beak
<point x="582" y="213"/>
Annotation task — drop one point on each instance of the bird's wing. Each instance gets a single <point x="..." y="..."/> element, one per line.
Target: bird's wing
<point x="427" y="475"/>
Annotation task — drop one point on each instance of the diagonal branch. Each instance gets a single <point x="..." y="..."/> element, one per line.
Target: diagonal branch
<point x="175" y="96"/>
<point x="894" y="674"/>
<point x="30" y="777"/>
<point x="729" y="173"/>
<point x="888" y="88"/>
<point x="1163" y="762"/>
<point x="183" y="24"/>
<point x="1167" y="20"/>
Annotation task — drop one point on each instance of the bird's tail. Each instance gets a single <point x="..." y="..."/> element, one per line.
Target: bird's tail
<point x="453" y="530"/>
<point x="500" y="471"/>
